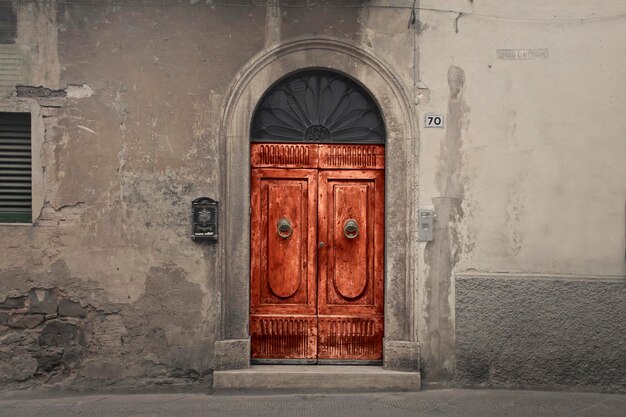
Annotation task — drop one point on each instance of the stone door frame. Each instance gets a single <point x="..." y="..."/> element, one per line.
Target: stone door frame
<point x="400" y="345"/>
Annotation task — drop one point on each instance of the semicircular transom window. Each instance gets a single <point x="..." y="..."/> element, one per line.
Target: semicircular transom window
<point x="317" y="106"/>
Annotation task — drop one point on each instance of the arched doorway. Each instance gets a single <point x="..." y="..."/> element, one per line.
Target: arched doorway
<point x="400" y="346"/>
<point x="317" y="222"/>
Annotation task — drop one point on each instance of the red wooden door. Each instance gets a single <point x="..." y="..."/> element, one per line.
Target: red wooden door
<point x="317" y="251"/>
<point x="283" y="288"/>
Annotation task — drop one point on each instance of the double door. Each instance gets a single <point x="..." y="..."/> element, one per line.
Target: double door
<point x="317" y="235"/>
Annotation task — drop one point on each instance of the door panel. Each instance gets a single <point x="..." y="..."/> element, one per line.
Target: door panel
<point x="351" y="156"/>
<point x="350" y="337"/>
<point x="274" y="155"/>
<point x="348" y="266"/>
<point x="283" y="320"/>
<point x="285" y="248"/>
<point x="283" y="337"/>
<point x="350" y="274"/>
<point x="308" y="300"/>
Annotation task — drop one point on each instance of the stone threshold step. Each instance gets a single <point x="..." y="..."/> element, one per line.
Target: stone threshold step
<point x="308" y="378"/>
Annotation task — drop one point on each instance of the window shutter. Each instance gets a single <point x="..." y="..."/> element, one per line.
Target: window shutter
<point x="15" y="168"/>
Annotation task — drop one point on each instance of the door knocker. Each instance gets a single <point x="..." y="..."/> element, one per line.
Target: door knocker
<point x="350" y="229"/>
<point x="284" y="228"/>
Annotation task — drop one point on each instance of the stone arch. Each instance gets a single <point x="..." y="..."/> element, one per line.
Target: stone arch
<point x="400" y="347"/>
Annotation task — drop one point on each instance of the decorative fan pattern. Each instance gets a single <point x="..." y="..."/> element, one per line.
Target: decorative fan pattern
<point x="317" y="106"/>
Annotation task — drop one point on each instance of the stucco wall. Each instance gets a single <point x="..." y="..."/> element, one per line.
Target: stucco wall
<point x="527" y="177"/>
<point x="547" y="332"/>
<point x="541" y="152"/>
<point x="127" y="126"/>
<point x="122" y="161"/>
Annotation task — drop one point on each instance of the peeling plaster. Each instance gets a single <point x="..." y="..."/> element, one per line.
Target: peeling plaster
<point x="64" y="215"/>
<point x="68" y="336"/>
<point x="38" y="92"/>
<point x="443" y="252"/>
<point x="79" y="91"/>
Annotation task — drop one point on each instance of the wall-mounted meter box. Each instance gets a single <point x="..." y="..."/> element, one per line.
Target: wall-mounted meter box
<point x="205" y="219"/>
<point x="426" y="220"/>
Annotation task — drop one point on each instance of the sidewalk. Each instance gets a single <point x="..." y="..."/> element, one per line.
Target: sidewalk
<point x="467" y="403"/>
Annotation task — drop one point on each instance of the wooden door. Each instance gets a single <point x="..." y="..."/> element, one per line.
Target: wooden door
<point x="350" y="275"/>
<point x="283" y="288"/>
<point x="317" y="237"/>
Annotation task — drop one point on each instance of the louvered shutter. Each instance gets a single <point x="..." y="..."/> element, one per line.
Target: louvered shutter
<point x="15" y="168"/>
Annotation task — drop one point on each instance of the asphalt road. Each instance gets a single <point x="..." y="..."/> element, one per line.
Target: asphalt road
<point x="467" y="403"/>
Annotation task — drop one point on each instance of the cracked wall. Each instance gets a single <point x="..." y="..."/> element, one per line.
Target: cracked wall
<point x="128" y="139"/>
<point x="127" y="100"/>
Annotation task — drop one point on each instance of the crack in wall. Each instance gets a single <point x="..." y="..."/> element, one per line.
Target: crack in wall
<point x="67" y="214"/>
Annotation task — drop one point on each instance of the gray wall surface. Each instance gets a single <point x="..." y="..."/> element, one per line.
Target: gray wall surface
<point x="540" y="332"/>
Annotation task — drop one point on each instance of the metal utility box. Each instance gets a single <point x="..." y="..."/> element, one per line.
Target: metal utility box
<point x="426" y="219"/>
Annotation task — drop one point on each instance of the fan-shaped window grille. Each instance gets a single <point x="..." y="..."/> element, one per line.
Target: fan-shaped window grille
<point x="317" y="106"/>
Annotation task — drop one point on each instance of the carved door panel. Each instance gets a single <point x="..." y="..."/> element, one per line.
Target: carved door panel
<point x="350" y="275"/>
<point x="317" y="214"/>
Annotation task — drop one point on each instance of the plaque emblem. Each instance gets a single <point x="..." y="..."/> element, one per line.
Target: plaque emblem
<point x="204" y="216"/>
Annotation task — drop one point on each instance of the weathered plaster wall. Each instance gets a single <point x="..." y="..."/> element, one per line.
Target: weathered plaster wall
<point x="527" y="177"/>
<point x="130" y="105"/>
<point x="127" y="99"/>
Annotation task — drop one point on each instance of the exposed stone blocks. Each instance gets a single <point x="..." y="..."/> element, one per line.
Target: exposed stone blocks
<point x="34" y="341"/>
<point x="69" y="308"/>
<point x="48" y="336"/>
<point x="39" y="92"/>
<point x="42" y="301"/>
<point x="57" y="333"/>
<point x="24" y="321"/>
<point x="12" y="302"/>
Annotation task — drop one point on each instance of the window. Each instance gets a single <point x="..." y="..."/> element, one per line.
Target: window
<point x="317" y="106"/>
<point x="15" y="168"/>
